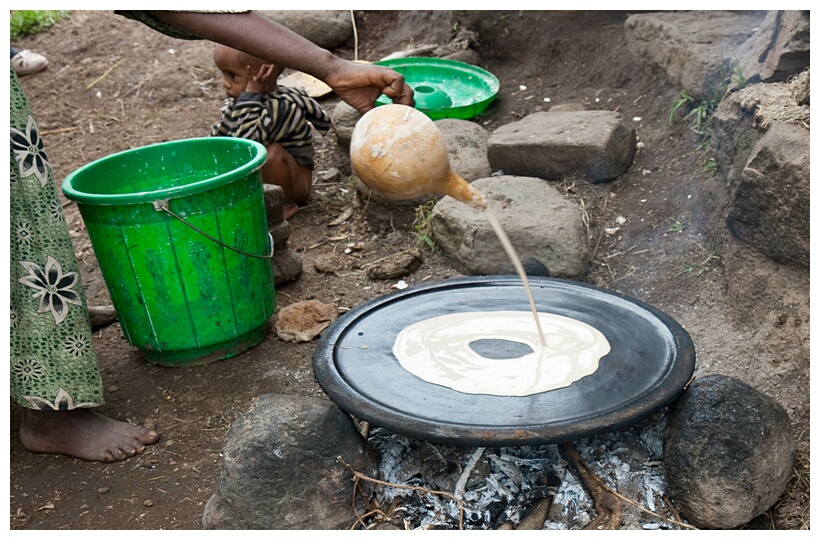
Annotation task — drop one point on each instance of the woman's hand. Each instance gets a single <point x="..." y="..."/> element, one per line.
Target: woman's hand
<point x="360" y="85"/>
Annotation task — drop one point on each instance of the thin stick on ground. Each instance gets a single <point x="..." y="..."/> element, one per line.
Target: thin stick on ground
<point x="608" y="512"/>
<point x="359" y="476"/>
<point x="93" y="83"/>
<point x="650" y="512"/>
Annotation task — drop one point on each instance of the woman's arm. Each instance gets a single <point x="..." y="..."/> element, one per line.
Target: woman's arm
<point x="358" y="84"/>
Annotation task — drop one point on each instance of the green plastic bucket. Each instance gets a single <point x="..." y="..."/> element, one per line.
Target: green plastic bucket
<point x="180" y="232"/>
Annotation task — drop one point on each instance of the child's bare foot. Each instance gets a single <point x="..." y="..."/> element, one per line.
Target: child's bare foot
<point x="290" y="209"/>
<point x="83" y="433"/>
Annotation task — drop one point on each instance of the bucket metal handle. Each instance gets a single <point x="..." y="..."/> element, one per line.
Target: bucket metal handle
<point x="163" y="205"/>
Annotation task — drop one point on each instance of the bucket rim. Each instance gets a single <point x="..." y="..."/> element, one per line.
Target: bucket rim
<point x="112" y="199"/>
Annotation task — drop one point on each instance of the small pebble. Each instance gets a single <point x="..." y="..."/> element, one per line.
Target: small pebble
<point x="103" y="490"/>
<point x="148" y="502"/>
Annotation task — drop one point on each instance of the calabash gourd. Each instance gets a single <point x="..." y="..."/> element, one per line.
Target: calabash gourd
<point x="399" y="152"/>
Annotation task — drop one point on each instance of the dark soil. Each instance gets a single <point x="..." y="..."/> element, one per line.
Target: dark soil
<point x="113" y="84"/>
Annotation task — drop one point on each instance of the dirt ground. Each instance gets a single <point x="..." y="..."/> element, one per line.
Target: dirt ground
<point x="113" y="84"/>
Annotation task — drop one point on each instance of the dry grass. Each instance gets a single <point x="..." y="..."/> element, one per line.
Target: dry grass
<point x="776" y="102"/>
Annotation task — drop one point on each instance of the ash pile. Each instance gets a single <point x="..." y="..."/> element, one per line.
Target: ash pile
<point x="561" y="487"/>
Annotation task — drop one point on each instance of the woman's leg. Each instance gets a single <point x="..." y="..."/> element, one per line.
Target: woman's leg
<point x="54" y="372"/>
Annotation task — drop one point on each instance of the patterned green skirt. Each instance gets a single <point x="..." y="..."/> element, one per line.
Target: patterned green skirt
<point x="53" y="364"/>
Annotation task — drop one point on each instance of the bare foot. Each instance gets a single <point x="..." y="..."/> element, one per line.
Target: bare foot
<point x="83" y="433"/>
<point x="290" y="209"/>
<point x="102" y="315"/>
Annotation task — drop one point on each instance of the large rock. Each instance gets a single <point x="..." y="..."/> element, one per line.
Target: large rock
<point x="696" y="49"/>
<point x="327" y="29"/>
<point x="598" y="145"/>
<point x="287" y="264"/>
<point x="778" y="49"/>
<point x="770" y="207"/>
<point x="763" y="151"/>
<point x="344" y="118"/>
<point x="728" y="452"/>
<point x="539" y="220"/>
<point x="280" y="467"/>
<point x="466" y="147"/>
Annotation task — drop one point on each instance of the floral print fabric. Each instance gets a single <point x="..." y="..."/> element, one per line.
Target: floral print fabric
<point x="53" y="364"/>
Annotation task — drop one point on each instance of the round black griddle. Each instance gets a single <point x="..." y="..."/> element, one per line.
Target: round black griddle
<point x="651" y="359"/>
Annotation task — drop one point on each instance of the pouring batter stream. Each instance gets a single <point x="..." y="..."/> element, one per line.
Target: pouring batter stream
<point x="399" y="152"/>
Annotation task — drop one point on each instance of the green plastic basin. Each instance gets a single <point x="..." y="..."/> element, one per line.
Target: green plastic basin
<point x="445" y="88"/>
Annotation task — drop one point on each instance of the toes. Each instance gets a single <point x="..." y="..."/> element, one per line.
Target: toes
<point x="148" y="437"/>
<point x="121" y="452"/>
<point x="134" y="450"/>
<point x="108" y="456"/>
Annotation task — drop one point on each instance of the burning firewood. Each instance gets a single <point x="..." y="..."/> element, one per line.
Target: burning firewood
<point x="606" y="504"/>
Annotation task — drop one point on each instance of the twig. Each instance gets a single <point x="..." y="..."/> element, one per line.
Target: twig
<point x="181" y="422"/>
<point x="600" y="234"/>
<point x="128" y="91"/>
<point x="362" y="426"/>
<point x="465" y="474"/>
<point x="598" y="243"/>
<point x="607" y="506"/>
<point x="359" y="476"/>
<point x="536" y="515"/>
<point x="60" y="130"/>
<point x="104" y="75"/>
<point x="360" y="519"/>
<point x="650" y="512"/>
<point x="371" y="263"/>
<point x="595" y="486"/>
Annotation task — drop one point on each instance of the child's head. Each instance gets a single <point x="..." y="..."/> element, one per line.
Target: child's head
<point x="238" y="68"/>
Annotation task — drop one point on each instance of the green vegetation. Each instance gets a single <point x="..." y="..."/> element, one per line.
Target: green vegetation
<point x="423" y="223"/>
<point x="30" y="22"/>
<point x="710" y="167"/>
<point x="681" y="106"/>
<point x="698" y="268"/>
<point x="698" y="113"/>
<point x="677" y="227"/>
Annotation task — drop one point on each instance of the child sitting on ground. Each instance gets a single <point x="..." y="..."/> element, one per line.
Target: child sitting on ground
<point x="259" y="109"/>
